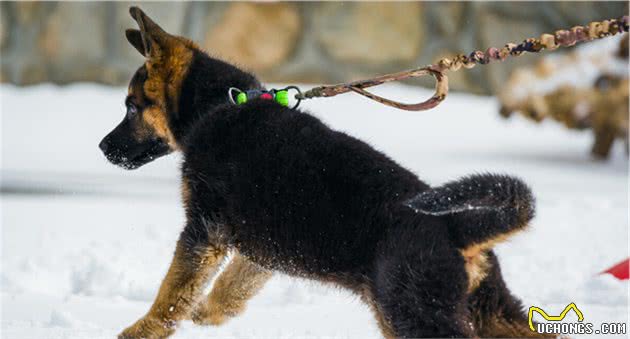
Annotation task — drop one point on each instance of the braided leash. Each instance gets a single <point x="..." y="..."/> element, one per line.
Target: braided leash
<point x="561" y="38"/>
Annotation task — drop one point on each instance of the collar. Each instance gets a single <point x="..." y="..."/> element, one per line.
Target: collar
<point x="281" y="96"/>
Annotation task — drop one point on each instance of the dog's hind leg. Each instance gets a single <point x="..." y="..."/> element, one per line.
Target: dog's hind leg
<point x="495" y="312"/>
<point x="420" y="283"/>
<point x="383" y="323"/>
<point x="240" y="281"/>
<point x="197" y="257"/>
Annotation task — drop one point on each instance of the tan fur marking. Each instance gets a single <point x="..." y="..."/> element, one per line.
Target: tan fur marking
<point x="476" y="260"/>
<point x="477" y="269"/>
<point x="185" y="190"/>
<point x="167" y="67"/>
<point x="477" y="248"/>
<point x="383" y="323"/>
<point x="179" y="292"/>
<point x="156" y="118"/>
<point x="238" y="283"/>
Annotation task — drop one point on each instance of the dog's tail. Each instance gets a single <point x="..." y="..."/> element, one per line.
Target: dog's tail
<point x="482" y="210"/>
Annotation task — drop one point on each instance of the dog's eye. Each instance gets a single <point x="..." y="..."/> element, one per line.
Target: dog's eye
<point x="132" y="110"/>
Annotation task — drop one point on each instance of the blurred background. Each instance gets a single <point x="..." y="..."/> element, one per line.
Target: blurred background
<point x="306" y="42"/>
<point x="85" y="244"/>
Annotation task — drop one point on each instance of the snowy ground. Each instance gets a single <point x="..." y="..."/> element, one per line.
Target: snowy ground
<point x="85" y="244"/>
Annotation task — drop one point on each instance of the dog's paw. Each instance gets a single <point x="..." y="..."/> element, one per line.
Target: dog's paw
<point x="149" y="328"/>
<point x="206" y="315"/>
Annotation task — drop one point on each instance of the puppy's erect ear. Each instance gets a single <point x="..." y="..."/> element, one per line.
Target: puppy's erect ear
<point x="152" y="36"/>
<point x="135" y="39"/>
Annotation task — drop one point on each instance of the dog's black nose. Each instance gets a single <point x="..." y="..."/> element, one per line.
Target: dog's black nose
<point x="103" y="145"/>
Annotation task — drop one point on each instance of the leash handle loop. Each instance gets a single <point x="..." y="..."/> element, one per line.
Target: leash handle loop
<point x="441" y="88"/>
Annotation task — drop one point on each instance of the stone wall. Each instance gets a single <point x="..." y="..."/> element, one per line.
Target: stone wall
<point x="282" y="42"/>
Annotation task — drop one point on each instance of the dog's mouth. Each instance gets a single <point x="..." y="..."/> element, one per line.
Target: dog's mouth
<point x="139" y="157"/>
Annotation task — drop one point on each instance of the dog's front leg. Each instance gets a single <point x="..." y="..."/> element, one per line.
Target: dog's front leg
<point x="197" y="257"/>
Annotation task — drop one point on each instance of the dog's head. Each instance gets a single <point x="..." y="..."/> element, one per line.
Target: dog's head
<point x="145" y="132"/>
<point x="166" y="94"/>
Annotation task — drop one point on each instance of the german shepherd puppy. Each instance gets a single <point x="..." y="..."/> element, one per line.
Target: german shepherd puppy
<point x="286" y="193"/>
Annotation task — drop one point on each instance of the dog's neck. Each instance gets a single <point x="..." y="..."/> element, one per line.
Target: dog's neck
<point x="204" y="89"/>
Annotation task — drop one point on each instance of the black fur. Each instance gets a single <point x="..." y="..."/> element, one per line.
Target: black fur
<point x="479" y="207"/>
<point x="204" y="89"/>
<point x="295" y="196"/>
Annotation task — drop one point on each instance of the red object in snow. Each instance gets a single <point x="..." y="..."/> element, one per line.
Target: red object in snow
<point x="620" y="271"/>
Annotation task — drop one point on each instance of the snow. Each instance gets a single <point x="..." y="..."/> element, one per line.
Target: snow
<point x="85" y="244"/>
